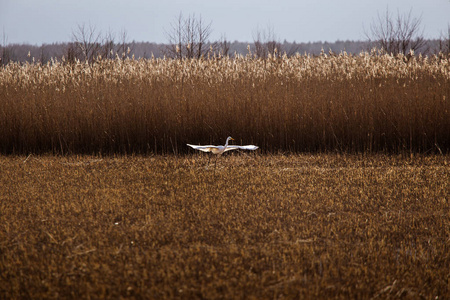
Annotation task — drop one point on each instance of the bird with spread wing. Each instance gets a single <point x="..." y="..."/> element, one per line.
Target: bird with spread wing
<point x="221" y="149"/>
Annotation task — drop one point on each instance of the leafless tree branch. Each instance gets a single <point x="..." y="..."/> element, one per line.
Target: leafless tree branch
<point x="86" y="42"/>
<point x="188" y="38"/>
<point x="402" y="34"/>
<point x="266" y="42"/>
<point x="444" y="43"/>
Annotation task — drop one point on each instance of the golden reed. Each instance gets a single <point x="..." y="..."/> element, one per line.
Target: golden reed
<point x="353" y="103"/>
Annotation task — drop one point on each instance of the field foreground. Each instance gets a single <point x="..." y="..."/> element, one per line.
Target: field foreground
<point x="273" y="226"/>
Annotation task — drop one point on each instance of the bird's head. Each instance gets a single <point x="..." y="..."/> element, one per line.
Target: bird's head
<point x="230" y="138"/>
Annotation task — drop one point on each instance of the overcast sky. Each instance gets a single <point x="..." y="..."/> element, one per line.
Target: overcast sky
<point x="48" y="21"/>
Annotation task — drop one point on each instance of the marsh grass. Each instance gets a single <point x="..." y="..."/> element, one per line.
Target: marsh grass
<point x="345" y="103"/>
<point x="273" y="226"/>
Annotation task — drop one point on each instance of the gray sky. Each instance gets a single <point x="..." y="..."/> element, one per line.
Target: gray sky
<point x="47" y="21"/>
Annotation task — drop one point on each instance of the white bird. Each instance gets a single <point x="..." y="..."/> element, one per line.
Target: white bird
<point x="221" y="149"/>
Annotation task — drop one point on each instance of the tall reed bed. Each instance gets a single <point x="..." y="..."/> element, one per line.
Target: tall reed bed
<point x="364" y="103"/>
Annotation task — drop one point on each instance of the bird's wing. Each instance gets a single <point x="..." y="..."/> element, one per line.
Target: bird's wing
<point x="207" y="148"/>
<point x="247" y="147"/>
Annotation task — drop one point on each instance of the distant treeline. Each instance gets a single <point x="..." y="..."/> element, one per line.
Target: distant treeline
<point x="45" y="52"/>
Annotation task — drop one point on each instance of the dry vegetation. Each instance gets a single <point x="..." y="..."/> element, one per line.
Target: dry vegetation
<point x="260" y="226"/>
<point x="322" y="226"/>
<point x="364" y="103"/>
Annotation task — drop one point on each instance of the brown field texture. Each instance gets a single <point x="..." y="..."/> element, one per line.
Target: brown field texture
<point x="345" y="103"/>
<point x="256" y="226"/>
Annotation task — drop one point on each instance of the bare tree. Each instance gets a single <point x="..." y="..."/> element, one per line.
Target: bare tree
<point x="444" y="43"/>
<point x="188" y="38"/>
<point x="223" y="46"/>
<point x="266" y="42"/>
<point x="124" y="47"/>
<point x="86" y="42"/>
<point x="397" y="35"/>
<point x="43" y="55"/>
<point x="260" y="51"/>
<point x="7" y="52"/>
<point x="290" y="49"/>
<point x="109" y="45"/>
<point x="71" y="53"/>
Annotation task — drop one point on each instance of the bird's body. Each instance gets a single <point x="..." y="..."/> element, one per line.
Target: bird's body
<point x="221" y="149"/>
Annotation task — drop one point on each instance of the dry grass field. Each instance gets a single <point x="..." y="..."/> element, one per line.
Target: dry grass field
<point x="263" y="227"/>
<point x="365" y="103"/>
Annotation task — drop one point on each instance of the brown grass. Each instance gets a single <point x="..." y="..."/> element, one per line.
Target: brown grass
<point x="365" y="103"/>
<point x="323" y="226"/>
